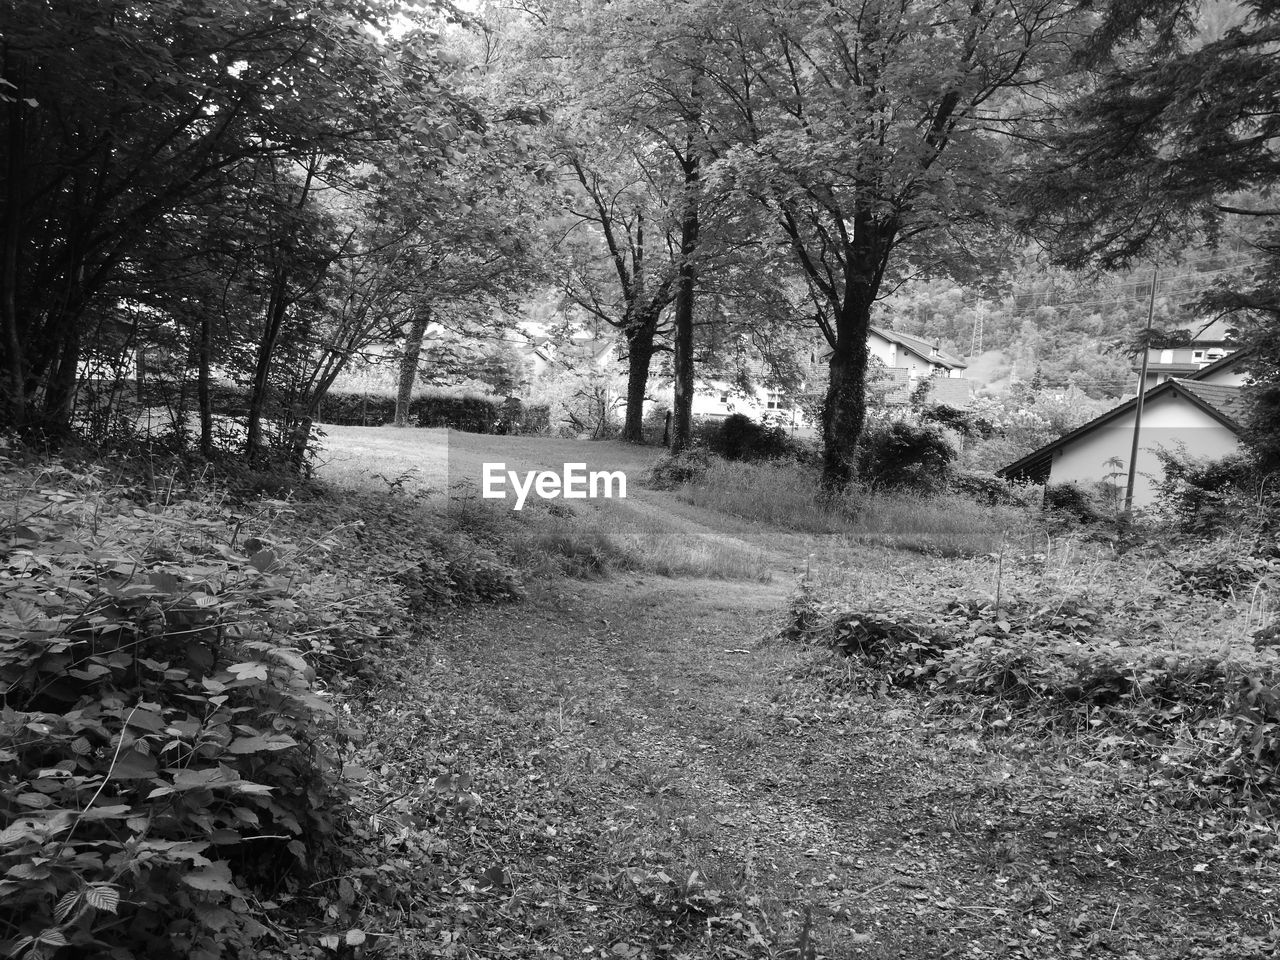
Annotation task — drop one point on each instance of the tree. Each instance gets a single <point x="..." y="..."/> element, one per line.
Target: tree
<point x="1176" y="134"/>
<point x="631" y="286"/>
<point x="128" y="122"/>
<point x="877" y="136"/>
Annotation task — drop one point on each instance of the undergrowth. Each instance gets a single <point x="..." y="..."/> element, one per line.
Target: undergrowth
<point x="1171" y="664"/>
<point x="176" y="753"/>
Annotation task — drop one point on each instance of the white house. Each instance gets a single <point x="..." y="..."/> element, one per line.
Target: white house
<point x="916" y="355"/>
<point x="1230" y="370"/>
<point x="1202" y="416"/>
<point x="906" y="360"/>
<point x="717" y="399"/>
<point x="1209" y="343"/>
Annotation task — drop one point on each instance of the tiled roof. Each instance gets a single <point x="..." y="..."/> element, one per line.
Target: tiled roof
<point x="953" y="391"/>
<point x="921" y="346"/>
<point x="1226" y="399"/>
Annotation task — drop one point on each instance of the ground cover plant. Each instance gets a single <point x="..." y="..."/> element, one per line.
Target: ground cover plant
<point x="166" y="748"/>
<point x="1160" y="658"/>
<point x="173" y="744"/>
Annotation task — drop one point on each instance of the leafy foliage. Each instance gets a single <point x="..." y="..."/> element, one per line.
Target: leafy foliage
<point x="165" y="745"/>
<point x="1201" y="714"/>
<point x="738" y="437"/>
<point x="1208" y="497"/>
<point x="899" y="454"/>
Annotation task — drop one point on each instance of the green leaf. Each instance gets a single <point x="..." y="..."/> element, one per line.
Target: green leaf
<point x="214" y="878"/>
<point x="102" y="896"/>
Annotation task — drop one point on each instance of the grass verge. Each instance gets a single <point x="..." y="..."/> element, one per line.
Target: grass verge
<point x="787" y="495"/>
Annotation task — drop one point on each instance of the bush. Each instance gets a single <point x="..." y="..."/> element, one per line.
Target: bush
<point x="669" y="472"/>
<point x="986" y="489"/>
<point x="741" y="438"/>
<point x="655" y="423"/>
<point x="1072" y="500"/>
<point x="469" y="412"/>
<point x="901" y="455"/>
<point x="163" y="748"/>
<point x="1206" y="496"/>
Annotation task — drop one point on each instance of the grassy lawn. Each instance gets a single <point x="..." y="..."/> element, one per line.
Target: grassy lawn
<point x="432" y="459"/>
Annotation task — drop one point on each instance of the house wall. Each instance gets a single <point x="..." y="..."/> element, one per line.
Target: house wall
<point x="1166" y="422"/>
<point x="708" y="403"/>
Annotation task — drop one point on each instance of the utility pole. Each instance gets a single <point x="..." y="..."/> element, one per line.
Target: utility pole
<point x="1142" y="393"/>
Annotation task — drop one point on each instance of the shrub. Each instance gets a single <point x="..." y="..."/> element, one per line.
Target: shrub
<point x="669" y="472"/>
<point x="1072" y="500"/>
<point x="1206" y="496"/>
<point x="903" y="455"/>
<point x="655" y="423"/>
<point x="985" y="489"/>
<point x="162" y="743"/>
<point x="469" y="412"/>
<point x="741" y="438"/>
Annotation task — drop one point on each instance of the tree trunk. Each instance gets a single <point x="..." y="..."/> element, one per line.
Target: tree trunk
<point x="60" y="384"/>
<point x="204" y="398"/>
<point x="15" y="390"/>
<point x="276" y="308"/>
<point x="845" y="409"/>
<point x="640" y="352"/>
<point x="686" y="284"/>
<point x="409" y="365"/>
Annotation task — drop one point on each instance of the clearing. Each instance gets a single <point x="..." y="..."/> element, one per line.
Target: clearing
<point x="658" y="775"/>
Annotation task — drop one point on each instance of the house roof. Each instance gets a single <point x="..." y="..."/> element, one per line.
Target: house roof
<point x="1223" y="363"/>
<point x="921" y="347"/>
<point x="953" y="391"/>
<point x="1220" y="401"/>
<point x="1223" y="399"/>
<point x="1213" y="330"/>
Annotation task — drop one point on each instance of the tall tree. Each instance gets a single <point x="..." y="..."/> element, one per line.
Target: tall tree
<point x="117" y="115"/>
<point x="1175" y="137"/>
<point x="878" y="135"/>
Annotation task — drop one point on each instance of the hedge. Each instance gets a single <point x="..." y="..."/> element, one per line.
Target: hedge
<point x="472" y="413"/>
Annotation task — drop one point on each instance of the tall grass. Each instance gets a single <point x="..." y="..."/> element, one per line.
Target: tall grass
<point x="787" y="495"/>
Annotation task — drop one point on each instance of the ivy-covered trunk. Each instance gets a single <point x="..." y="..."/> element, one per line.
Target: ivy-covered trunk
<point x="686" y="289"/>
<point x="845" y="410"/>
<point x="640" y="353"/>
<point x="409" y="365"/>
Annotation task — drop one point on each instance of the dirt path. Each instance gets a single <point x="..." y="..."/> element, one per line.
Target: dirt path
<point x="662" y="777"/>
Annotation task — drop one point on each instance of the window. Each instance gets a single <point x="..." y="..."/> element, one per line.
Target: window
<point x="1197" y="354"/>
<point x="724" y="398"/>
<point x="775" y="401"/>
